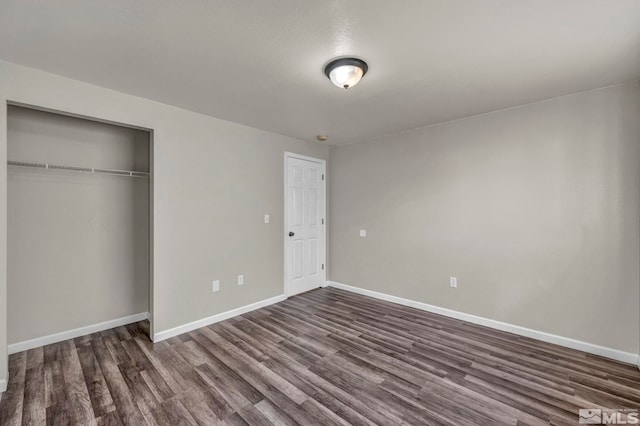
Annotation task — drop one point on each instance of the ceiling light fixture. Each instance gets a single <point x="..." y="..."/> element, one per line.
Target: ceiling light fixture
<point x="346" y="72"/>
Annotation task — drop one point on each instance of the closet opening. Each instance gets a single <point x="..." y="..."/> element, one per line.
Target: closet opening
<point x="79" y="223"/>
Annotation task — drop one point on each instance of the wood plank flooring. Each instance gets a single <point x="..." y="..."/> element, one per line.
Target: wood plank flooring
<point x="326" y="357"/>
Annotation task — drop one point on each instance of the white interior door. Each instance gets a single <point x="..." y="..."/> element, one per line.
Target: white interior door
<point x="304" y="224"/>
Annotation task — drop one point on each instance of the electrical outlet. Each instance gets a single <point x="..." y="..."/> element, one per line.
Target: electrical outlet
<point x="266" y="218"/>
<point x="215" y="286"/>
<point x="240" y="279"/>
<point x="363" y="233"/>
<point x="453" y="282"/>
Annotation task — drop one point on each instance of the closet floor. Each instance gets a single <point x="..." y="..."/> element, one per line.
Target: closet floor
<point x="323" y="357"/>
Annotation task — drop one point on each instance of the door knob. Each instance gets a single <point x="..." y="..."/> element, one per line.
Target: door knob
<point x="291" y="234"/>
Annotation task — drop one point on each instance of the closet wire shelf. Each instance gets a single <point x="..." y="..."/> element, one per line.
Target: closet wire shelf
<point x="130" y="173"/>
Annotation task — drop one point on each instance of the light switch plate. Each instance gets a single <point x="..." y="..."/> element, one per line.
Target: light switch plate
<point x="215" y="286"/>
<point x="363" y="233"/>
<point x="266" y="218"/>
<point x="240" y="279"/>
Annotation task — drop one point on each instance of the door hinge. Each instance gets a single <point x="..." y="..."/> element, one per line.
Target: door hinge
<point x="323" y="221"/>
<point x="323" y="266"/>
<point x="322" y="177"/>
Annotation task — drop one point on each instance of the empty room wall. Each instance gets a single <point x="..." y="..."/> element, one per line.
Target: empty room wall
<point x="78" y="243"/>
<point x="213" y="181"/>
<point x="534" y="209"/>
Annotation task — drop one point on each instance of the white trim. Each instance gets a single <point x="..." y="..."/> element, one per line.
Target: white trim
<point x="76" y="332"/>
<point x="288" y="155"/>
<point x="591" y="348"/>
<point x="185" y="328"/>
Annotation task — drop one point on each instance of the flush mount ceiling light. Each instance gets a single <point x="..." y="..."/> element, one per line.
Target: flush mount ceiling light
<point x="346" y="72"/>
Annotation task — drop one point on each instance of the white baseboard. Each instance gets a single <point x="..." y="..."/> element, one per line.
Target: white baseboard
<point x="185" y="328"/>
<point x="77" y="332"/>
<point x="591" y="348"/>
<point x="3" y="384"/>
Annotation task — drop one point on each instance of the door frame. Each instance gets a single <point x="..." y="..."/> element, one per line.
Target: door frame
<point x="285" y="236"/>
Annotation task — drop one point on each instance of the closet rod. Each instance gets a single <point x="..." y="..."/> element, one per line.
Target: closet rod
<point x="47" y="166"/>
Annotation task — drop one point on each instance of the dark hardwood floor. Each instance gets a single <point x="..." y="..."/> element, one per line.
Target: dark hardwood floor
<point x="324" y="357"/>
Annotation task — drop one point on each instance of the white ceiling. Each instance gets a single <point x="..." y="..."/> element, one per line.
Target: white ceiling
<point x="260" y="62"/>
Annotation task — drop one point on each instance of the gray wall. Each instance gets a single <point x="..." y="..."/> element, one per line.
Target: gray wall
<point x="213" y="182"/>
<point x="218" y="182"/>
<point x="78" y="244"/>
<point x="534" y="209"/>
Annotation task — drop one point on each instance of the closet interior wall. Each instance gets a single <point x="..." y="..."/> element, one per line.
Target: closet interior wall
<point x="78" y="243"/>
